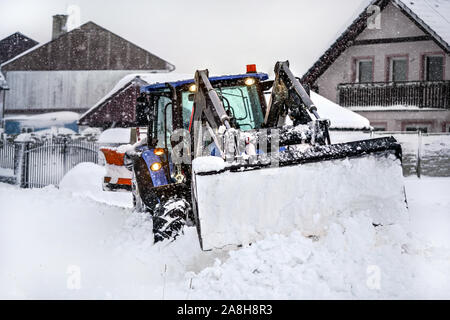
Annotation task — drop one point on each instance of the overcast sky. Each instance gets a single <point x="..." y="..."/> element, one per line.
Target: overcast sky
<point x="222" y="36"/>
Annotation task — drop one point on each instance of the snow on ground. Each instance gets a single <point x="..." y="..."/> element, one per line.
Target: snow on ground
<point x="5" y="172"/>
<point x="85" y="180"/>
<point x="50" y="238"/>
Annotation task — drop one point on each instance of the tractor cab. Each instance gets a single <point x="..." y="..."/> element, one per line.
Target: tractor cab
<point x="165" y="107"/>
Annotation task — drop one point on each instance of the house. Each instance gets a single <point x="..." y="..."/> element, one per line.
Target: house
<point x="74" y="70"/>
<point x="10" y="47"/>
<point x="14" y="45"/>
<point x="391" y="65"/>
<point x="118" y="107"/>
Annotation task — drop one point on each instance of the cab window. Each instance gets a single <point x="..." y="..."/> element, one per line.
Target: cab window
<point x="164" y="118"/>
<point x="240" y="102"/>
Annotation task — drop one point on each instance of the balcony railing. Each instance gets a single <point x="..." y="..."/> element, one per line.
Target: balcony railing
<point x="422" y="94"/>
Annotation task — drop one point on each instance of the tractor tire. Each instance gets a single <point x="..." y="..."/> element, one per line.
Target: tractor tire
<point x="169" y="218"/>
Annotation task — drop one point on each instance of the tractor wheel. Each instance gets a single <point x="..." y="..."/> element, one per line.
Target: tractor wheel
<point x="169" y="218"/>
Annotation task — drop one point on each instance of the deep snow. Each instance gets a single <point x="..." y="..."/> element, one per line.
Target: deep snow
<point x="50" y="236"/>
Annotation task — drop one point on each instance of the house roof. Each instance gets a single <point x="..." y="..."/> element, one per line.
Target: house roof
<point x="92" y="117"/>
<point x="14" y="45"/>
<point x="431" y="16"/>
<point x="136" y="78"/>
<point x="89" y="47"/>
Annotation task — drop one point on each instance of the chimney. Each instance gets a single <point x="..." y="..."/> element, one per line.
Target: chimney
<point x="59" y="25"/>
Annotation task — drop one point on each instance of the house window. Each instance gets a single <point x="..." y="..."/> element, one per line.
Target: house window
<point x="398" y="69"/>
<point x="424" y="129"/>
<point x="364" y="70"/>
<point x="434" y="67"/>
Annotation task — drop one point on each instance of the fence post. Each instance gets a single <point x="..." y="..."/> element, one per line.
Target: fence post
<point x="21" y="163"/>
<point x="64" y="152"/>
<point x="419" y="154"/>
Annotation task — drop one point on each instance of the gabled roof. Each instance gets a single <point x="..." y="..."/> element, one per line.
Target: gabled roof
<point x="14" y="45"/>
<point x="89" y="47"/>
<point x="431" y="16"/>
<point x="119" y="99"/>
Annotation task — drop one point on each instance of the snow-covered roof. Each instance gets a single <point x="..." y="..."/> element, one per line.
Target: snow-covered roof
<point x="341" y="118"/>
<point x="148" y="78"/>
<point x="52" y="118"/>
<point x="433" y="15"/>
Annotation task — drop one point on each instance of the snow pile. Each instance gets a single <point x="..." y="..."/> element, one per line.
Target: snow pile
<point x="49" y="238"/>
<point x="205" y="164"/>
<point x="341" y="118"/>
<point x="337" y="266"/>
<point x="86" y="179"/>
<point x="115" y="136"/>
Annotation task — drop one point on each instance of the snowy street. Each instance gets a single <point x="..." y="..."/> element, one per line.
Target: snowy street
<point x="302" y="156"/>
<point x="68" y="243"/>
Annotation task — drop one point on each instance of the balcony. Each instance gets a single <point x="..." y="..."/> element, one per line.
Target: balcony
<point x="422" y="94"/>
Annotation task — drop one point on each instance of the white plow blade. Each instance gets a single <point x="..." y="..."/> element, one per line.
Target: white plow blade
<point x="240" y="207"/>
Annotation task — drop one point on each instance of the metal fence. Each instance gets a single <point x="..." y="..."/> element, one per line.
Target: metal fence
<point x="46" y="162"/>
<point x="423" y="94"/>
<point x="40" y="163"/>
<point x="6" y="153"/>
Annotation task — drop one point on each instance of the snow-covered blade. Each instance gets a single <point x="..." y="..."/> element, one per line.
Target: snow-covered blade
<point x="237" y="205"/>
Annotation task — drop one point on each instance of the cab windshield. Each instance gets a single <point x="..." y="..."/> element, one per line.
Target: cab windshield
<point x="240" y="102"/>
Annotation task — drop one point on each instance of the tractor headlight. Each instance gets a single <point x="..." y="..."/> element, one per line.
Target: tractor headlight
<point x="156" y="166"/>
<point x="158" y="151"/>
<point x="192" y="88"/>
<point x="249" y="81"/>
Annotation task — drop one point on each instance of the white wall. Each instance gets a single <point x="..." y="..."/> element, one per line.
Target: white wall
<point x="37" y="90"/>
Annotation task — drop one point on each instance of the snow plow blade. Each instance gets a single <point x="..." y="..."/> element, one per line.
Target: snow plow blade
<point x="239" y="204"/>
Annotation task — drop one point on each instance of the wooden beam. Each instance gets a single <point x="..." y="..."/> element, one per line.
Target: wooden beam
<point x="391" y="40"/>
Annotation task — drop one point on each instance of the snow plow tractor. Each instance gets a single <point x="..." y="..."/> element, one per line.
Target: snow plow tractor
<point x="219" y="157"/>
